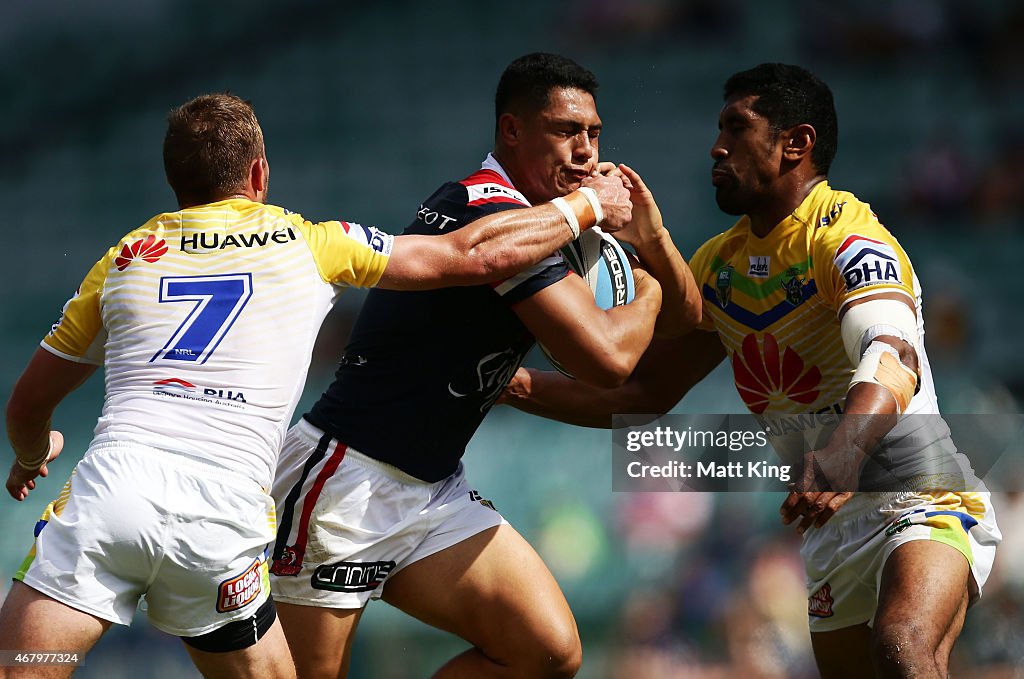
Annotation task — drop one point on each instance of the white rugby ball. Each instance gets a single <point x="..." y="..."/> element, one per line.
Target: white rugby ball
<point x="603" y="264"/>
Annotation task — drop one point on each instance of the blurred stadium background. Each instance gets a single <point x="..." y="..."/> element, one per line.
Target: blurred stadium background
<point x="367" y="107"/>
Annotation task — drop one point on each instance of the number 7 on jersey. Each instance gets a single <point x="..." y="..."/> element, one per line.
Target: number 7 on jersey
<point x="219" y="299"/>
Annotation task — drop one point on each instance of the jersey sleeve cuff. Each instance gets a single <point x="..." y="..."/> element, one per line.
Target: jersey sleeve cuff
<point x="68" y="357"/>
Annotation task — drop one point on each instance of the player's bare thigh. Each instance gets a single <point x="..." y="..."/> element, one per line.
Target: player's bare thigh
<point x="922" y="603"/>
<point x="327" y="651"/>
<point x="494" y="591"/>
<point x="32" y="621"/>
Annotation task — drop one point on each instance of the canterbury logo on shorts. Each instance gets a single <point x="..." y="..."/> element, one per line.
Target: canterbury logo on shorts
<point x="351" y="576"/>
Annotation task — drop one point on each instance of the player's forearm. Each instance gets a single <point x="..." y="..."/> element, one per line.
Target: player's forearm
<point x="47" y="380"/>
<point x="880" y="390"/>
<point x="557" y="397"/>
<point x="490" y="249"/>
<point x="622" y="337"/>
<point x="869" y="415"/>
<point x="28" y="428"/>
<point x="632" y="327"/>
<point x="681" y="304"/>
<point x="500" y="245"/>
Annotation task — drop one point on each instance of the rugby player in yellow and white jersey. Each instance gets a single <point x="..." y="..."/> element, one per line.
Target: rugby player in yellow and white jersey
<point x="817" y="308"/>
<point x="204" y="320"/>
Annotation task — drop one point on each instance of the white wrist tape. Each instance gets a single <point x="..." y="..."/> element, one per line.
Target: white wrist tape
<point x="570" y="216"/>
<point x="591" y="195"/>
<point x="36" y="464"/>
<point x="581" y="209"/>
<point x="881" y="365"/>
<point x="864" y="322"/>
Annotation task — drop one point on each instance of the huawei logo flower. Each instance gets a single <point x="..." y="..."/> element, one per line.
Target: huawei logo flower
<point x="148" y="248"/>
<point x="763" y="377"/>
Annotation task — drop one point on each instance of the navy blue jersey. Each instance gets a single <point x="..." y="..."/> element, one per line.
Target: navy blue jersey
<point x="423" y="368"/>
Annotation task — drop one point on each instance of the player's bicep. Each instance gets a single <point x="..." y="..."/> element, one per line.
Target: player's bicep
<point x="47" y="379"/>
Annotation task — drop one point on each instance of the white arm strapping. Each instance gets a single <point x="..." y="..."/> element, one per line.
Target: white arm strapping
<point x="881" y="365"/>
<point x="866" y="321"/>
<point x="570" y="216"/>
<point x="595" y="203"/>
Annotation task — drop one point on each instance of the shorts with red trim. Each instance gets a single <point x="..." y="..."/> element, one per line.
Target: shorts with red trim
<point x="347" y="522"/>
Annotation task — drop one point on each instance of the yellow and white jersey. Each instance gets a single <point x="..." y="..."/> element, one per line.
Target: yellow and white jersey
<point x="774" y="303"/>
<point x="205" y="320"/>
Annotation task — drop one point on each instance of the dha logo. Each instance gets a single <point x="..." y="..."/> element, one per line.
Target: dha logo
<point x="179" y="388"/>
<point x="148" y="249"/>
<point x="865" y="261"/>
<point x="225" y="394"/>
<point x="371" y="236"/>
<point x="173" y="385"/>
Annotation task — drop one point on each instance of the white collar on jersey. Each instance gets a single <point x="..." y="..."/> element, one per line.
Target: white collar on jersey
<point x="491" y="163"/>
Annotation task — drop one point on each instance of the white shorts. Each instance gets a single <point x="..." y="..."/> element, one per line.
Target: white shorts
<point x="844" y="558"/>
<point x="348" y="521"/>
<point x="134" y="521"/>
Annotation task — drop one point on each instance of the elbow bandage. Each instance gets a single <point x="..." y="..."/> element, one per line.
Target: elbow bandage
<point x="581" y="209"/>
<point x="881" y="365"/>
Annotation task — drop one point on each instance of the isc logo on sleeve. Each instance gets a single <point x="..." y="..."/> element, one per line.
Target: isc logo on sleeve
<point x="863" y="261"/>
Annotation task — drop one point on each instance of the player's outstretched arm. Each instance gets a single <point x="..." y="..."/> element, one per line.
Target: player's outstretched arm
<point x="500" y="245"/>
<point x="47" y="380"/>
<point x="666" y="372"/>
<point x="681" y="302"/>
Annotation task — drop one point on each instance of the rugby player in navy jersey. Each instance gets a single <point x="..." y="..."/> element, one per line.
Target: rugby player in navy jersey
<point x="204" y="319"/>
<point x="372" y="497"/>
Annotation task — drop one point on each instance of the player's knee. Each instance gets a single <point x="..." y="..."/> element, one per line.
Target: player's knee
<point x="902" y="649"/>
<point x="236" y="635"/>
<point x="559" y="653"/>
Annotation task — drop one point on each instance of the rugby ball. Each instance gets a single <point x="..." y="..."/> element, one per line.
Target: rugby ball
<point x="603" y="264"/>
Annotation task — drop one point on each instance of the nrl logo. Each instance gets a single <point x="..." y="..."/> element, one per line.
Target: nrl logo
<point x="723" y="286"/>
